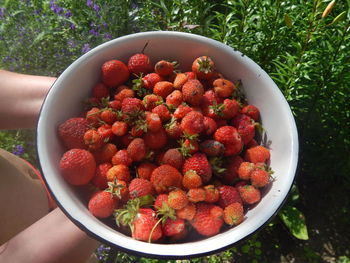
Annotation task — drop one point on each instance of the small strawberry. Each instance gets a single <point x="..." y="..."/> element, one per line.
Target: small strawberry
<point x="105" y="153"/>
<point x="100" y="177"/>
<point x="233" y="214"/>
<point x="203" y="67"/>
<point x="247" y="132"/>
<point x="156" y="140"/>
<point x="210" y="126"/>
<point x="115" y="104"/>
<point x="163" y="88"/>
<point x="192" y="92"/>
<point x="186" y="213"/>
<point x="144" y="170"/>
<point x="231" y="170"/>
<point x="145" y="227"/>
<point x="174" y="99"/>
<point x="196" y="195"/>
<point x="208" y="219"/>
<point x="121" y="157"/>
<point x="173" y="128"/>
<point x="150" y="80"/>
<point x="174" y="158"/>
<point x="139" y="64"/>
<point x="228" y="195"/>
<point x="177" y="199"/>
<point x="137" y="149"/>
<point x="166" y="177"/>
<point x="93" y="139"/>
<point x="120" y="128"/>
<point x="257" y="154"/>
<point x="164" y="68"/>
<point x="161" y="203"/>
<point x="106" y="132"/>
<point x="249" y="194"/>
<point x="150" y="101"/>
<point x="114" y="73"/>
<point x="139" y="187"/>
<point x="100" y="91"/>
<point x="252" y="111"/>
<point x="212" y="194"/>
<point x="199" y="163"/>
<point x="131" y="105"/>
<point x="93" y="117"/>
<point x="172" y="227"/>
<point x="245" y="170"/>
<point x="181" y="111"/>
<point x="71" y="132"/>
<point x="77" y="166"/>
<point x="223" y="88"/>
<point x="123" y="92"/>
<point x="191" y="180"/>
<point x="180" y="80"/>
<point x="212" y="148"/>
<point x="120" y="172"/>
<point x="230" y="109"/>
<point x="163" y="112"/>
<point x="154" y="123"/>
<point x="102" y="204"/>
<point x="259" y="178"/>
<point x="230" y="138"/>
<point x="192" y="123"/>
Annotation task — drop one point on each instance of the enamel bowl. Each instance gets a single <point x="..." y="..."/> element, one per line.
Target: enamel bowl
<point x="74" y="85"/>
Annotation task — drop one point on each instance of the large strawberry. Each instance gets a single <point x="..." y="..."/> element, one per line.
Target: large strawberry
<point x="114" y="73"/>
<point x="139" y="64"/>
<point x="166" y="177"/>
<point x="144" y="226"/>
<point x="78" y="166"/>
<point x="199" y="163"/>
<point x="102" y="204"/>
<point x="72" y="131"/>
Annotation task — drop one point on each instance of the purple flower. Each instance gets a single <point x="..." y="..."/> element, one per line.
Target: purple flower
<point x="107" y="36"/>
<point x="68" y="14"/>
<point x="71" y="43"/>
<point x="102" y="252"/>
<point x="96" y="8"/>
<point x="94" y="32"/>
<point x="89" y="3"/>
<point x="2" y="12"/>
<point x="85" y="48"/>
<point x="72" y="26"/>
<point x="19" y="150"/>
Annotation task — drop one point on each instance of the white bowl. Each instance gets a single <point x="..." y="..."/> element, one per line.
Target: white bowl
<point x="74" y="85"/>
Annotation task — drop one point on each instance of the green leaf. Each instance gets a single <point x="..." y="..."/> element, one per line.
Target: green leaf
<point x="338" y="18"/>
<point x="295" y="222"/>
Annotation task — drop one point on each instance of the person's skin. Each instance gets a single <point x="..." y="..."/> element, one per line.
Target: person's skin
<point x="21" y="97"/>
<point x="54" y="238"/>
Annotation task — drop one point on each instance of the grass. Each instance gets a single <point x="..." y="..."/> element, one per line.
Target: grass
<point x="306" y="54"/>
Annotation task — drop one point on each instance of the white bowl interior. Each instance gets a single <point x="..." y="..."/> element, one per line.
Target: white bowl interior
<point x="74" y="85"/>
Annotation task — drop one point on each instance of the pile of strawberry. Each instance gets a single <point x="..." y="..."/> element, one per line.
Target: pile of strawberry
<point x="168" y="152"/>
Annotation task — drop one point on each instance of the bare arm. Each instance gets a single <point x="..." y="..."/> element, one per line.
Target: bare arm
<point x="52" y="239"/>
<point x="21" y="97"/>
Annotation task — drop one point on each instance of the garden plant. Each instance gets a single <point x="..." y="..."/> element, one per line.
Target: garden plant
<point x="303" y="45"/>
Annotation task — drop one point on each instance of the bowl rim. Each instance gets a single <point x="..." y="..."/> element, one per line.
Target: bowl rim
<point x="178" y="252"/>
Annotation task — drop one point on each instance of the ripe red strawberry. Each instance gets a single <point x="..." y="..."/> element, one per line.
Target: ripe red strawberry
<point x="257" y="154"/>
<point x="192" y="92"/>
<point x="102" y="204"/>
<point x="163" y="112"/>
<point x="212" y="148"/>
<point x="93" y="117"/>
<point x="161" y="202"/>
<point x="187" y="212"/>
<point x="106" y="132"/>
<point x="108" y="116"/>
<point x="121" y="157"/>
<point x="137" y="149"/>
<point x="196" y="195"/>
<point x="120" y="172"/>
<point x="156" y="140"/>
<point x="145" y="169"/>
<point x="177" y="199"/>
<point x="123" y="92"/>
<point x="139" y="187"/>
<point x="259" y="178"/>
<point x="163" y="88"/>
<point x="100" y="177"/>
<point x="132" y="105"/>
<point x="230" y="109"/>
<point x="174" y="99"/>
<point x="139" y="64"/>
<point x="231" y="173"/>
<point x="181" y="111"/>
<point x="164" y="68"/>
<point x="71" y="133"/>
<point x="223" y="88"/>
<point x="191" y="180"/>
<point x="172" y="227"/>
<point x="247" y="132"/>
<point x="173" y="128"/>
<point x="77" y="166"/>
<point x="251" y="111"/>
<point x="120" y="128"/>
<point x="203" y="67"/>
<point x="233" y="214"/>
<point x="208" y="219"/>
<point x="192" y="123"/>
<point x="166" y="177"/>
<point x="249" y="194"/>
<point x="210" y="126"/>
<point x="105" y="153"/>
<point x="144" y="226"/>
<point x="199" y="163"/>
<point x="241" y="120"/>
<point x="174" y="158"/>
<point x="230" y="138"/>
<point x="188" y="147"/>
<point x="150" y="80"/>
<point x="245" y="170"/>
<point x="212" y="193"/>
<point x="228" y="195"/>
<point x="115" y="104"/>
<point x="150" y="101"/>
<point x="114" y="73"/>
<point x="154" y="123"/>
<point x="93" y="139"/>
<point x="180" y="80"/>
<point x="100" y="91"/>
